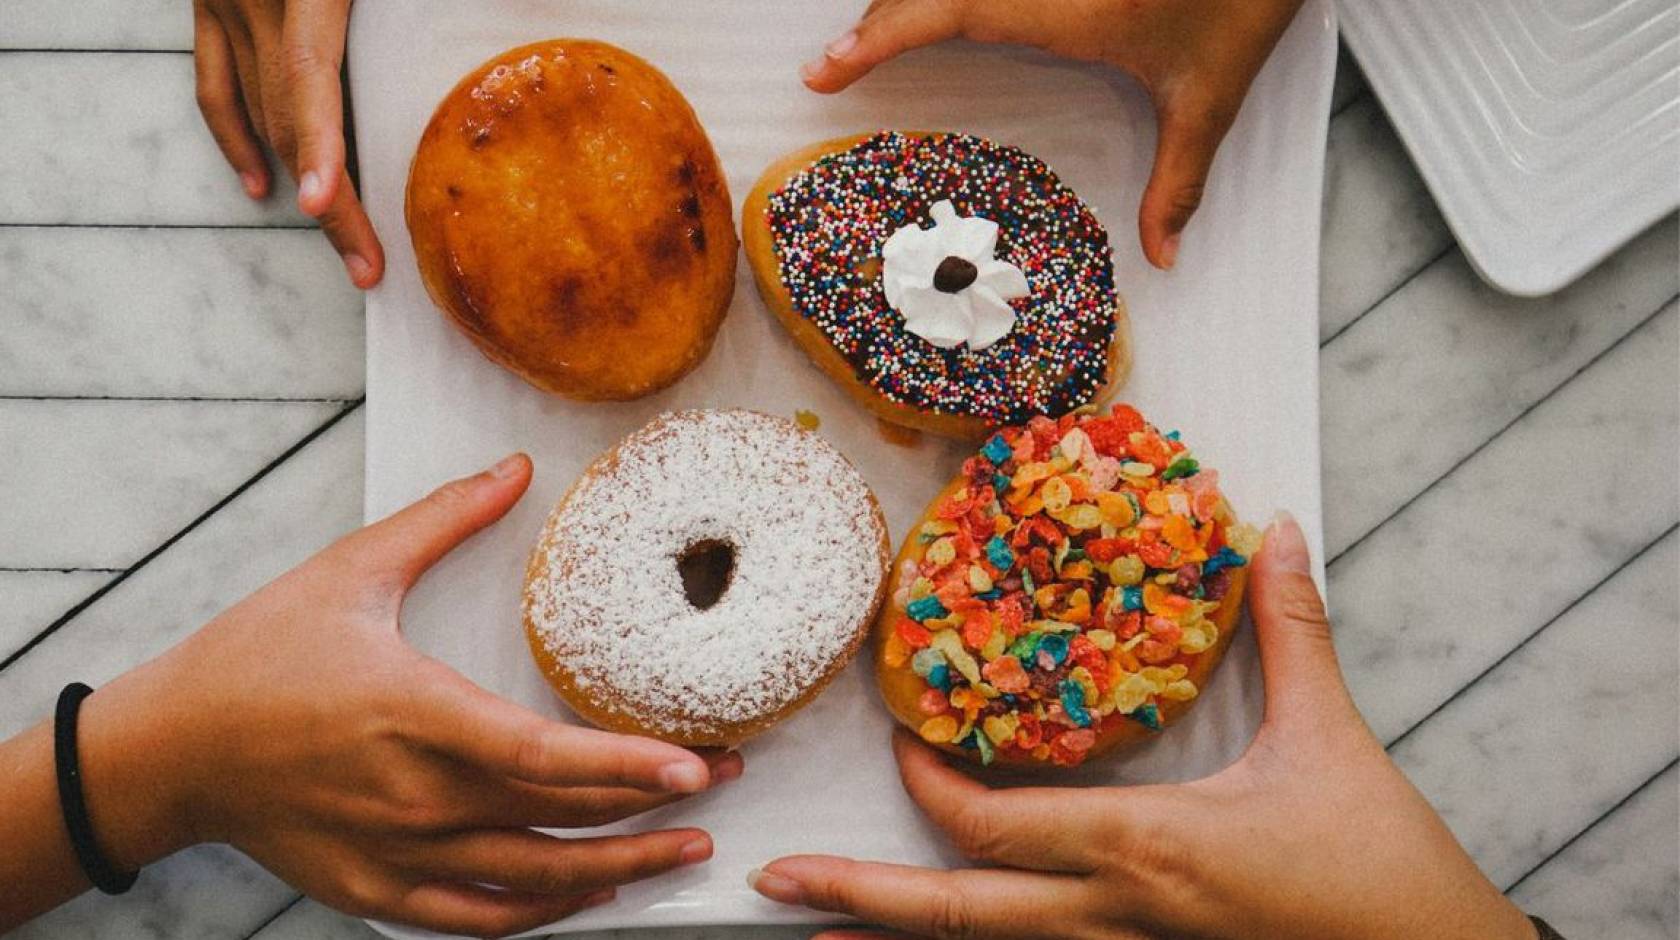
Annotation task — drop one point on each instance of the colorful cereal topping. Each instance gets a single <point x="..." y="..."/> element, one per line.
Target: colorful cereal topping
<point x="830" y="221"/>
<point x="1068" y="585"/>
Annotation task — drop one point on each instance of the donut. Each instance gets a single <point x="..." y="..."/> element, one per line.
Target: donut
<point x="948" y="283"/>
<point x="1071" y="591"/>
<point x="569" y="216"/>
<point x="705" y="578"/>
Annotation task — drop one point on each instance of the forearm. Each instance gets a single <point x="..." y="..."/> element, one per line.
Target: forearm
<point x="131" y="801"/>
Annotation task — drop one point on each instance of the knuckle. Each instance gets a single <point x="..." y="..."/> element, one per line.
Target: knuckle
<point x="299" y="61"/>
<point x="977" y="834"/>
<point x="361" y="894"/>
<point x="1298" y="602"/>
<point x="211" y="98"/>
<point x="452" y="496"/>
<point x="952" y="918"/>
<point x="556" y="875"/>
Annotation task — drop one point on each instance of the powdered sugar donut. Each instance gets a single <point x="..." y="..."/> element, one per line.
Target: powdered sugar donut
<point x="705" y="578"/>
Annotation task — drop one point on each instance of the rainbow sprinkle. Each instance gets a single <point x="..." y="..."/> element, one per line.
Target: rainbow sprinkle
<point x="1069" y="585"/>
<point x="830" y="221"/>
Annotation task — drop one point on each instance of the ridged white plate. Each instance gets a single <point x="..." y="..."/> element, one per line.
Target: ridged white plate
<point x="1226" y="350"/>
<point x="1548" y="130"/>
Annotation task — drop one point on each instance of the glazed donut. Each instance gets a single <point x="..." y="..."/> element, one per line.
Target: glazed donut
<point x="569" y="216"/>
<point x="705" y="578"/>
<point x="1004" y="308"/>
<point x="1069" y="592"/>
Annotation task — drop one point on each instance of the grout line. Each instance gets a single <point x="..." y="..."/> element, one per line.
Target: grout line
<point x="1590" y="826"/>
<point x="1661" y="308"/>
<point x="1643" y="550"/>
<point x="273" y="917"/>
<point x="26" y="569"/>
<point x="146" y="226"/>
<point x="88" y="601"/>
<point x="181" y="398"/>
<point x="1436" y="258"/>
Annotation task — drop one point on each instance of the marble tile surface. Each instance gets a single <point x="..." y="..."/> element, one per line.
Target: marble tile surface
<point x="33" y="599"/>
<point x="1606" y="884"/>
<point x="1508" y="540"/>
<point x="242" y="313"/>
<point x="1446" y="362"/>
<point x="95" y="24"/>
<point x="116" y="138"/>
<point x="143" y="469"/>
<point x="280" y="520"/>
<point x="1577" y="718"/>
<point x="1380" y="227"/>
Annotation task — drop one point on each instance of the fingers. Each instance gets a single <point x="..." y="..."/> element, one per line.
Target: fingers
<point x="476" y="911"/>
<point x="408" y="542"/>
<point x="1008" y="827"/>
<point x="530" y="862"/>
<point x="967" y="904"/>
<point x="469" y="723"/>
<point x="887" y="30"/>
<point x="1184" y="151"/>
<point x="1297" y="658"/>
<point x="516" y="803"/>
<point x="346" y="225"/>
<point x="312" y="51"/>
<point x="220" y="102"/>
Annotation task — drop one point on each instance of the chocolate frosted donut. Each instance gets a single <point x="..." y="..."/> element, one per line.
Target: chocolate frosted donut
<point x="820" y="228"/>
<point x="705" y="578"/>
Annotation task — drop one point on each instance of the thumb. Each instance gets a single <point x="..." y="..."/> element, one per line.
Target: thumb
<point x="888" y="29"/>
<point x="414" y="538"/>
<point x="1297" y="659"/>
<point x="1187" y="140"/>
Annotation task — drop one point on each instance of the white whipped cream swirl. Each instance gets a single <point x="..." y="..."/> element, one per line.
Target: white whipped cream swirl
<point x="947" y="283"/>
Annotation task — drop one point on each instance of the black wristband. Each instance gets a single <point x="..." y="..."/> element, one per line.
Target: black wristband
<point x="71" y="800"/>
<point x="1544" y="929"/>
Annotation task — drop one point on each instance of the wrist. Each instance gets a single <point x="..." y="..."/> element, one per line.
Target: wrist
<point x="133" y="776"/>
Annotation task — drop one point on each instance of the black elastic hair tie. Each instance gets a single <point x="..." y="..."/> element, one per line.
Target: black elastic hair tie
<point x="71" y="800"/>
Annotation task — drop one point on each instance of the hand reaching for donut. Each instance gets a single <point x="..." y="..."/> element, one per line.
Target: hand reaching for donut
<point x="1195" y="59"/>
<point x="1312" y="835"/>
<point x="268" y="73"/>
<point x="300" y="728"/>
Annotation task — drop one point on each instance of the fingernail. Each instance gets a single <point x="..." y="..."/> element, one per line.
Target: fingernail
<point x="727" y="771"/>
<point x="308" y="188"/>
<point x="253" y="184"/>
<point x="603" y="896"/>
<point x="839" y="48"/>
<point x="683" y="777"/>
<point x="1169" y="251"/>
<point x="810" y="70"/>
<point x="358" y="267"/>
<point x="775" y="887"/>
<point x="695" y="852"/>
<point x="506" y="467"/>
<point x="1286" y="545"/>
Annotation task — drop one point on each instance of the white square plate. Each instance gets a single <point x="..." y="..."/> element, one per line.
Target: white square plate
<point x="1548" y="130"/>
<point x="1226" y="351"/>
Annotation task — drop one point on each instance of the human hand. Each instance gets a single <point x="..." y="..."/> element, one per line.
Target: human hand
<point x="1313" y="834"/>
<point x="1195" y="59"/>
<point x="268" y="71"/>
<point x="300" y="728"/>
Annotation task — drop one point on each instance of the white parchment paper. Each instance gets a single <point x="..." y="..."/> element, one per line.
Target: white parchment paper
<point x="1226" y="351"/>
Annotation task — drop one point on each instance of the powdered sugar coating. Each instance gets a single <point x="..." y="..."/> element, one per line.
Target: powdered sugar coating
<point x="607" y="602"/>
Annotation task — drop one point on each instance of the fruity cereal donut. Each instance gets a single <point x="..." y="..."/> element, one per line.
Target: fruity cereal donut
<point x="948" y="283"/>
<point x="1068" y="593"/>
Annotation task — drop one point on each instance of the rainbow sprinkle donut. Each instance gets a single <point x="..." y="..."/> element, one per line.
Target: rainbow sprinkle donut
<point x="820" y="229"/>
<point x="1069" y="592"/>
